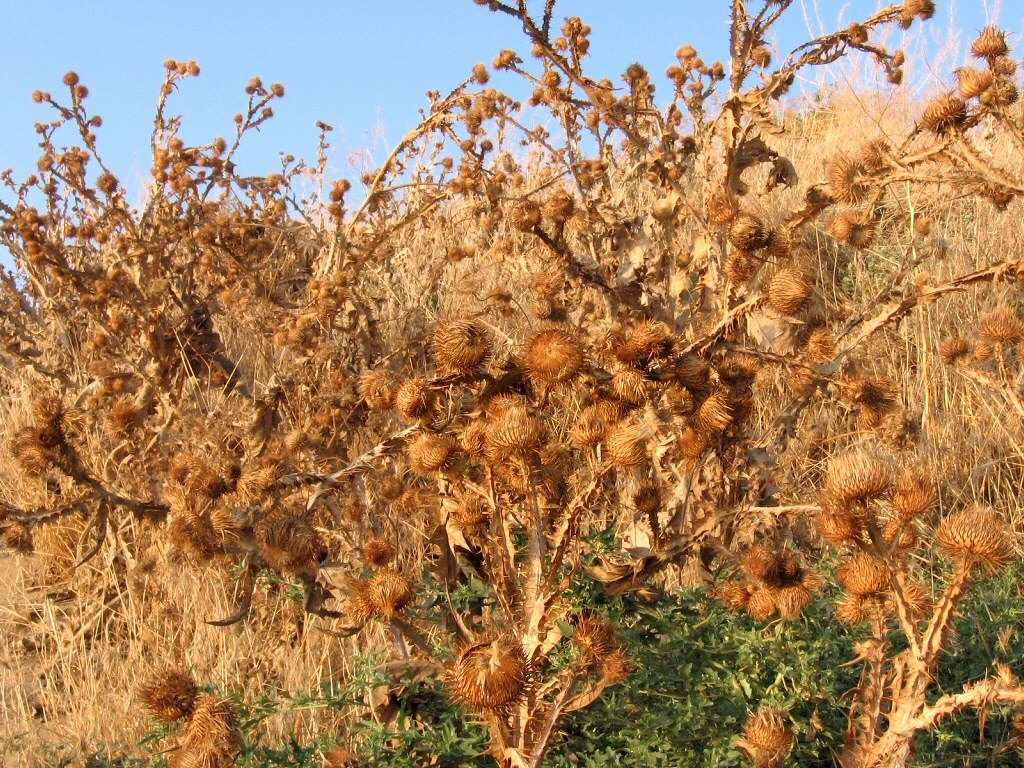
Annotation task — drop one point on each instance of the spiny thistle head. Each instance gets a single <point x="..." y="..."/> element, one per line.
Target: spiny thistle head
<point x="954" y="349"/>
<point x="975" y="536"/>
<point x="863" y="575"/>
<point x="721" y="207"/>
<point x="768" y="735"/>
<point x="552" y="356"/>
<point x="914" y="493"/>
<point x="763" y="603"/>
<point x="170" y="695"/>
<point x="748" y="232"/>
<point x="846" y="179"/>
<point x="625" y="445"/>
<point x="430" y="452"/>
<point x="944" y="115"/>
<point x="514" y="431"/>
<point x="490" y="675"/>
<point x="990" y="44"/>
<point x="632" y="386"/>
<point x="595" y="636"/>
<point x="715" y="413"/>
<point x="857" y="476"/>
<point x="836" y="522"/>
<point x="460" y="346"/>
<point x="390" y="592"/>
<point x="212" y="737"/>
<point x="377" y="388"/>
<point x="821" y="346"/>
<point x="414" y="399"/>
<point x="288" y="542"/>
<point x="378" y="552"/>
<point x="856" y="229"/>
<point x="470" y="514"/>
<point x="788" y="289"/>
<point x="973" y="82"/>
<point x="1002" y="326"/>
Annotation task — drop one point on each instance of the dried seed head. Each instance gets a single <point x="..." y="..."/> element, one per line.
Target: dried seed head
<point x="845" y="179"/>
<point x="170" y="695"/>
<point x="526" y="216"/>
<point x="288" y="543"/>
<point x="490" y="675"/>
<point x="652" y="340"/>
<point x="973" y="82"/>
<point x="378" y="389"/>
<point x="856" y="229"/>
<point x="914" y="493"/>
<point x="900" y="531"/>
<point x="761" y="564"/>
<point x="589" y="429"/>
<point x="836" y="523"/>
<point x="470" y="515"/>
<point x="721" y="207"/>
<point x="680" y="400"/>
<point x="763" y="603"/>
<point x="414" y="400"/>
<point x="715" y="413"/>
<point x="474" y="437"/>
<point x="1001" y="94"/>
<point x="1003" y="66"/>
<point x="633" y="386"/>
<point x="782" y="244"/>
<point x="788" y="289"/>
<point x="863" y="575"/>
<point x="991" y="44"/>
<point x="853" y="610"/>
<point x="212" y="737"/>
<point x="389" y="592"/>
<point x="595" y="636"/>
<point x="734" y="594"/>
<point x="1002" y="326"/>
<point x="821" y="346"/>
<point x="514" y="432"/>
<point x="976" y="536"/>
<point x="625" y="445"/>
<point x="17" y="537"/>
<point x="460" y="346"/>
<point x="559" y="208"/>
<point x="378" y="552"/>
<point x="740" y="267"/>
<point x="857" y="476"/>
<point x="430" y="452"/>
<point x="692" y="372"/>
<point x="748" y="232"/>
<point x="552" y="356"/>
<point x="769" y="733"/>
<point x="793" y="601"/>
<point x="954" y="349"/>
<point x="647" y="498"/>
<point x="616" y="666"/>
<point x="693" y="444"/>
<point x="944" y="115"/>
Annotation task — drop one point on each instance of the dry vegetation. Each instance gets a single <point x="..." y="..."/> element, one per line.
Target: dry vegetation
<point x="744" y="337"/>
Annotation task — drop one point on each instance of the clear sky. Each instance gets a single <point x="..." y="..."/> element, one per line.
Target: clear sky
<point x="362" y="66"/>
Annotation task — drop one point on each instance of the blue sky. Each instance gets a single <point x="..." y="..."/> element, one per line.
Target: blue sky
<point x="362" y="66"/>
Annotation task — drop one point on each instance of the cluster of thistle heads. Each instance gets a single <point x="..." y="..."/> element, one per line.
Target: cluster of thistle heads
<point x="210" y="734"/>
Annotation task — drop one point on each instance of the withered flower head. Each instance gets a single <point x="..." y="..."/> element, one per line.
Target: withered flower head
<point x="625" y="445"/>
<point x="763" y="603"/>
<point x="976" y="536"/>
<point x="788" y="289"/>
<point x="863" y="575"/>
<point x="748" y="232"/>
<point x="490" y="675"/>
<point x="552" y="356"/>
<point x="514" y="431"/>
<point x="715" y="413"/>
<point x="845" y="179"/>
<point x="170" y="695"/>
<point x="1002" y="326"/>
<point x="954" y="349"/>
<point x="212" y="738"/>
<point x="414" y="400"/>
<point x="378" y="552"/>
<point x="430" y="452"/>
<point x="991" y="44"/>
<point x="914" y="493"/>
<point x="944" y="115"/>
<point x="632" y="386"/>
<point x="768" y="735"/>
<point x="460" y="346"/>
<point x="735" y="594"/>
<point x="377" y="388"/>
<point x="857" y="476"/>
<point x="856" y="229"/>
<point x="595" y="636"/>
